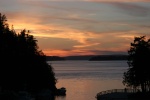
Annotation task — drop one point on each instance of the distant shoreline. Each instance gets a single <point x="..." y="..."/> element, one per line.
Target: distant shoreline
<point x="88" y="57"/>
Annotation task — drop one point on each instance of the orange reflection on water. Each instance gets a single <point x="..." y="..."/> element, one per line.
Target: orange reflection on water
<point x="86" y="89"/>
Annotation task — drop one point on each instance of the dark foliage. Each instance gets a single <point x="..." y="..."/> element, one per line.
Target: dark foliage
<point x="23" y="65"/>
<point x="139" y="96"/>
<point x="138" y="73"/>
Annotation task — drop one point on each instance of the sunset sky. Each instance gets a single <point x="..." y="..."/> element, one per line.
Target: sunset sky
<point x="80" y="27"/>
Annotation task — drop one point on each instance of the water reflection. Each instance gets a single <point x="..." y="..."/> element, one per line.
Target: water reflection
<point x="85" y="89"/>
<point x="84" y="79"/>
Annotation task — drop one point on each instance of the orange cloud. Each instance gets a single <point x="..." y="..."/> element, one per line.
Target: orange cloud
<point x="76" y="33"/>
<point x="62" y="53"/>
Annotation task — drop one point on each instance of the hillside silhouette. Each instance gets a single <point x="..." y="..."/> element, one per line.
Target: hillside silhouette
<point x="88" y="57"/>
<point x="108" y="57"/>
<point x="23" y="65"/>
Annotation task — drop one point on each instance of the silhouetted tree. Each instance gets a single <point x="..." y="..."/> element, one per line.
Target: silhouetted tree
<point x="138" y="73"/>
<point x="23" y="65"/>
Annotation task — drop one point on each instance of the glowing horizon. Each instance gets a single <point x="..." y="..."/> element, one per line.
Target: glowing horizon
<point x="80" y="27"/>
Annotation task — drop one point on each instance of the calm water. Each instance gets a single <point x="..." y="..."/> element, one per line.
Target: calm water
<point x="84" y="79"/>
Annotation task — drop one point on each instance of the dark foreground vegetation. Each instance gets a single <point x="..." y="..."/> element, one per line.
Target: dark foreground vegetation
<point x="139" y="96"/>
<point x="123" y="94"/>
<point x="23" y="66"/>
<point x="137" y="76"/>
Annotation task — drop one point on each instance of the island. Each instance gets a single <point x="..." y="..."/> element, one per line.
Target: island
<point x="54" y="58"/>
<point x="108" y="57"/>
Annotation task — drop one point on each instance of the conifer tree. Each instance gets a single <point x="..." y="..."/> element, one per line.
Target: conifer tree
<point x="138" y="73"/>
<point x="23" y="65"/>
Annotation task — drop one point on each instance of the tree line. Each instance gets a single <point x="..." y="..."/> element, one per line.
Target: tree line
<point x="22" y="64"/>
<point x="138" y="74"/>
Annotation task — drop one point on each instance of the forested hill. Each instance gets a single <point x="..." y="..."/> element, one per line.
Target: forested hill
<point x="88" y="57"/>
<point x="57" y="58"/>
<point x="108" y="57"/>
<point x="54" y="58"/>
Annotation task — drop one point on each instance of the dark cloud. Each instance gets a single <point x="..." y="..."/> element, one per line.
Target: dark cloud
<point x="142" y="26"/>
<point x="97" y="52"/>
<point x="133" y="9"/>
<point x="63" y="6"/>
<point x="72" y="19"/>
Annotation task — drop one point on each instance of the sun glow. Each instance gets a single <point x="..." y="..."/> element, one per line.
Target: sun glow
<point x="80" y="27"/>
